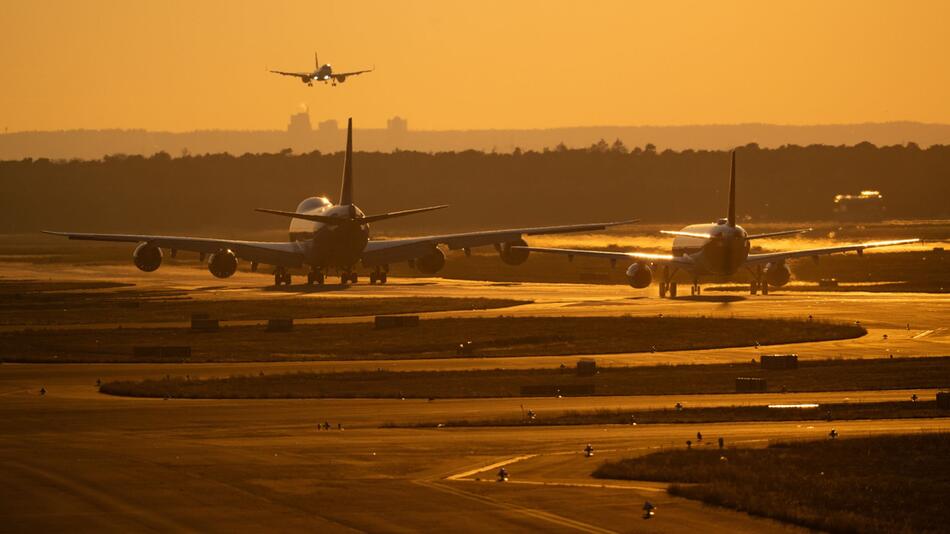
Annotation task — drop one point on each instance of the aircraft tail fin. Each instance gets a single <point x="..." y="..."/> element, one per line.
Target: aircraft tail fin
<point x="731" y="216"/>
<point x="346" y="191"/>
<point x="316" y="61"/>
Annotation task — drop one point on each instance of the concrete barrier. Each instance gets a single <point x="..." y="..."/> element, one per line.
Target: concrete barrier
<point x="779" y="361"/>
<point x="204" y="325"/>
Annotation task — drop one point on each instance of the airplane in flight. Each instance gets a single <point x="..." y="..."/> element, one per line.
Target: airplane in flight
<point x="717" y="249"/>
<point x="328" y="237"/>
<point x="323" y="73"/>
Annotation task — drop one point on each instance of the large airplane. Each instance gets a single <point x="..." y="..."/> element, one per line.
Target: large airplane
<point x="322" y="73"/>
<point x="717" y="249"/>
<point x="328" y="237"/>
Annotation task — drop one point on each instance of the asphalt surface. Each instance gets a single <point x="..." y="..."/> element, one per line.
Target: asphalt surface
<point x="75" y="460"/>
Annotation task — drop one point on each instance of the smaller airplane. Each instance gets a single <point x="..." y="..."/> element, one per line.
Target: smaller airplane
<point x="323" y="73"/>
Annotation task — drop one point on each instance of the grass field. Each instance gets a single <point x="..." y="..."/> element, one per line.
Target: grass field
<point x="819" y="375"/>
<point x="834" y="412"/>
<point x="434" y="338"/>
<point x="29" y="302"/>
<point x="870" y="485"/>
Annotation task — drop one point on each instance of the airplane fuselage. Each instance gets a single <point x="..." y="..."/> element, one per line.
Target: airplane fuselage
<point x="323" y="74"/>
<point x="722" y="254"/>
<point x="326" y="245"/>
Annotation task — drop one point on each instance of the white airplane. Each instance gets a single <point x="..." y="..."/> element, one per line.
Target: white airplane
<point x="327" y="237"/>
<point x="322" y="73"/>
<point x="717" y="249"/>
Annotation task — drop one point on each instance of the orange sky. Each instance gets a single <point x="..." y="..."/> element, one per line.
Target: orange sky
<point x="183" y="65"/>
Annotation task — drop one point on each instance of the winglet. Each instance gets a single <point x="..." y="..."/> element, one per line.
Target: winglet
<point x="731" y="217"/>
<point x="346" y="191"/>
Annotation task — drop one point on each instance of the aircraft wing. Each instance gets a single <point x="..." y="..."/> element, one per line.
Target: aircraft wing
<point x="395" y="250"/>
<point x="302" y="75"/>
<point x="754" y="259"/>
<point x="339" y="75"/>
<point x="667" y="259"/>
<point x="285" y="254"/>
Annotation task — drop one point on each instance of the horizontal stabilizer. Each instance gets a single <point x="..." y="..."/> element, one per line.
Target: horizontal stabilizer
<point x="781" y="233"/>
<point x="403" y="213"/>
<point x="336" y="221"/>
<point x="687" y="234"/>
<point x="307" y="217"/>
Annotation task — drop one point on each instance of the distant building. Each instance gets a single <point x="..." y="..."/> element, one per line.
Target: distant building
<point x="328" y="126"/>
<point x="299" y="124"/>
<point x="866" y="206"/>
<point x="397" y="125"/>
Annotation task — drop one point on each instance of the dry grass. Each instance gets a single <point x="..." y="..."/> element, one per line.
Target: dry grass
<point x="435" y="338"/>
<point x="827" y="375"/>
<point x="870" y="485"/>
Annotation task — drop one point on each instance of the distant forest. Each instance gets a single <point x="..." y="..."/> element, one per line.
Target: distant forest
<point x="607" y="181"/>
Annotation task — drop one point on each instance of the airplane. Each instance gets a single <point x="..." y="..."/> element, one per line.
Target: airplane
<point x="717" y="249"/>
<point x="323" y="73"/>
<point x="328" y="237"/>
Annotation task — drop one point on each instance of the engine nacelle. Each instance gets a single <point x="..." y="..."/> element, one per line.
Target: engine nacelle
<point x="513" y="256"/>
<point x="341" y="79"/>
<point x="147" y="257"/>
<point x="777" y="274"/>
<point x="432" y="262"/>
<point x="639" y="275"/>
<point x="222" y="264"/>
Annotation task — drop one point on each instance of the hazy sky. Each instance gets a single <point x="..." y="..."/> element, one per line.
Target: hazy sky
<point x="194" y="64"/>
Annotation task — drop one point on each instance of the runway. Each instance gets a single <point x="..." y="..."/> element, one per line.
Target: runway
<point x="118" y="464"/>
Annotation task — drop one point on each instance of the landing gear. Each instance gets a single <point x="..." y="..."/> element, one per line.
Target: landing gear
<point x="348" y="277"/>
<point x="695" y="290"/>
<point x="672" y="290"/>
<point x="758" y="283"/>
<point x="315" y="277"/>
<point x="663" y="289"/>
<point x="281" y="276"/>
<point x="667" y="285"/>
<point x="378" y="275"/>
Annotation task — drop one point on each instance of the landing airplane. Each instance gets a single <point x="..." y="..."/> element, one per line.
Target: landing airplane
<point x="323" y="73"/>
<point x="718" y="249"/>
<point x="326" y="237"/>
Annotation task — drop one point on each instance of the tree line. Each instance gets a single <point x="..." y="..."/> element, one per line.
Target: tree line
<point x="607" y="181"/>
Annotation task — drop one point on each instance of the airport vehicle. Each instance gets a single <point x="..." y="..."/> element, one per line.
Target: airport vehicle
<point x="717" y="249"/>
<point x="329" y="237"/>
<point x="322" y="73"/>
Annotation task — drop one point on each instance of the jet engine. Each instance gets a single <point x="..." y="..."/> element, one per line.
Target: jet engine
<point x="222" y="264"/>
<point x="432" y="262"/>
<point x="147" y="257"/>
<point x="341" y="79"/>
<point x="639" y="275"/>
<point x="777" y="274"/>
<point x="513" y="257"/>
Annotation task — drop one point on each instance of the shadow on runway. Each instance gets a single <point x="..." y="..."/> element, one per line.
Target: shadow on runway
<point x="306" y="288"/>
<point x="712" y="298"/>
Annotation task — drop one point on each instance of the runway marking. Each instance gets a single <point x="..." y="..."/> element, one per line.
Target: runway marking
<point x="103" y="500"/>
<point x="502" y="463"/>
<point x="578" y="485"/>
<point x="537" y="514"/>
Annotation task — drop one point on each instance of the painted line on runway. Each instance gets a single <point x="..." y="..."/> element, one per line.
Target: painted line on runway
<point x="925" y="333"/>
<point x="495" y="465"/>
<point x="530" y="512"/>
<point x="576" y="485"/>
